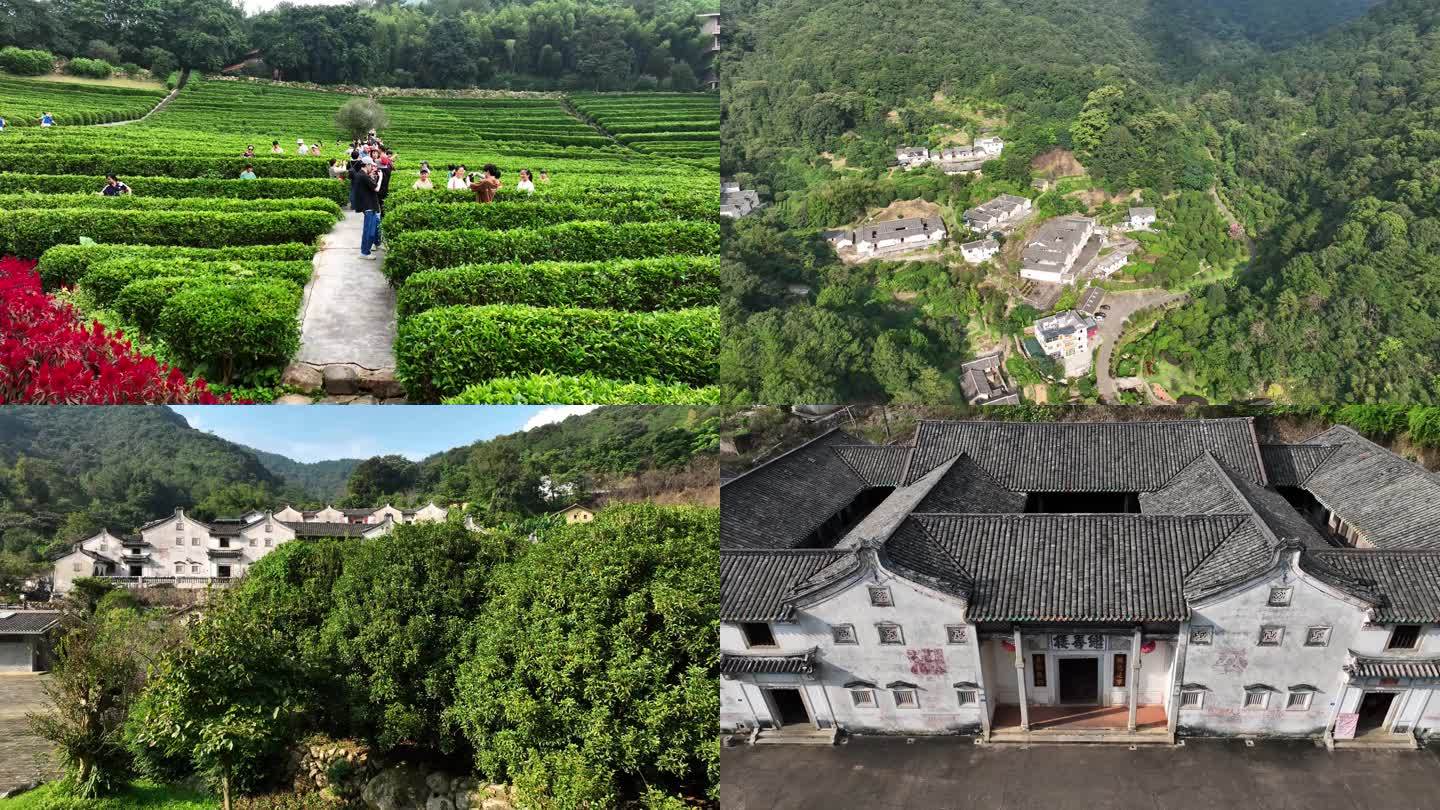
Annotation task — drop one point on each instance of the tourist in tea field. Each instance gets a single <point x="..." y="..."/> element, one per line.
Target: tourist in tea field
<point x="113" y="187"/>
<point x="487" y="185"/>
<point x="364" y="185"/>
<point x="544" y="176"/>
<point x="2" y="123"/>
<point x="423" y="184"/>
<point x="300" y="146"/>
<point x="315" y="149"/>
<point x="457" y="181"/>
<point x="249" y="151"/>
<point x="47" y="120"/>
<point x="275" y="148"/>
<point x="249" y="173"/>
<point x="526" y="184"/>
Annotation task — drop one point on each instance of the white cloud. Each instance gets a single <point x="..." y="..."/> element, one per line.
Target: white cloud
<point x="557" y="413"/>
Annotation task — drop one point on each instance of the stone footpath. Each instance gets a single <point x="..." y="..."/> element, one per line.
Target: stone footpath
<point x="347" y="326"/>
<point x="24" y="758"/>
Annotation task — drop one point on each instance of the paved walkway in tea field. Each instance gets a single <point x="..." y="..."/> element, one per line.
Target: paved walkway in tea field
<point x="952" y="772"/>
<point x="24" y="758"/>
<point x="347" y="320"/>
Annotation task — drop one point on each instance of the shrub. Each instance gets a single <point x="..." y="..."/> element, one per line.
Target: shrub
<point x="441" y="351"/>
<point x="26" y="62"/>
<point x="159" y="60"/>
<point x="138" y="203"/>
<point x="234" y="328"/>
<point x="102" y="50"/>
<point x="664" y="282"/>
<point x="573" y="241"/>
<point x="98" y="164"/>
<point x="585" y="389"/>
<point x="90" y="68"/>
<point x="48" y="357"/>
<point x="269" y="188"/>
<point x="106" y="281"/>
<point x="30" y="232"/>
<point x="64" y="265"/>
<point x="360" y="115"/>
<point x="538" y="213"/>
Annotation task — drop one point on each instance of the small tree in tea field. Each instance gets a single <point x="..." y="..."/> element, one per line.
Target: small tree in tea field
<point x="360" y="115"/>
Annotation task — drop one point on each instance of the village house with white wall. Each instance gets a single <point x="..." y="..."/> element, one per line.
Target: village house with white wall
<point x="181" y="551"/>
<point x="951" y="159"/>
<point x="1141" y="218"/>
<point x="980" y="250"/>
<point x="1069" y="337"/>
<point x="1001" y="212"/>
<point x="1083" y="582"/>
<point x="889" y="237"/>
<point x="1051" y="253"/>
<point x="736" y="202"/>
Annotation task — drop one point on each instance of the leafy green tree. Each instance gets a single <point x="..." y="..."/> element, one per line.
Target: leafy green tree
<point x="361" y="115"/>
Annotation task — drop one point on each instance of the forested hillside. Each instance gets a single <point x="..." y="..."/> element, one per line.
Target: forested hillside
<point x="1315" y="120"/>
<point x="321" y="479"/>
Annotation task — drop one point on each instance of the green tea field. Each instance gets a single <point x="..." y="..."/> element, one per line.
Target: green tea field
<point x="601" y="284"/>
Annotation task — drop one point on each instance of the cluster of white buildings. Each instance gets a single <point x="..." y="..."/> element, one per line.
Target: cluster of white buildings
<point x="952" y="159"/>
<point x="1051" y="253"/>
<point x="1100" y="582"/>
<point x="996" y="214"/>
<point x="891" y="236"/>
<point x="181" y="551"/>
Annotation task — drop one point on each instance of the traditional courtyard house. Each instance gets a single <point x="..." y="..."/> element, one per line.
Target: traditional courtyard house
<point x="893" y="236"/>
<point x="1142" y="218"/>
<point x="990" y="145"/>
<point x="736" y="202"/>
<point x="980" y="250"/>
<point x="27" y="639"/>
<point x="1066" y="334"/>
<point x="997" y="213"/>
<point x="181" y="551"/>
<point x="912" y="156"/>
<point x="1111" y="582"/>
<point x="983" y="382"/>
<point x="1050" y="254"/>
<point x="1109" y="264"/>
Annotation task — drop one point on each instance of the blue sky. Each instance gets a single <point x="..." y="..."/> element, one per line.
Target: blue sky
<point x="320" y="432"/>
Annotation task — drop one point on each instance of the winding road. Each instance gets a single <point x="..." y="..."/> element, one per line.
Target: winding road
<point x="1122" y="306"/>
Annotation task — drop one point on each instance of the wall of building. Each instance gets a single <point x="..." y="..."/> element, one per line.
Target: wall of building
<point x="1234" y="659"/>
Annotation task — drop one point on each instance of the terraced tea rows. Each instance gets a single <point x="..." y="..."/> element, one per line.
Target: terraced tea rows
<point x="22" y="102"/>
<point x="673" y="124"/>
<point x="602" y="280"/>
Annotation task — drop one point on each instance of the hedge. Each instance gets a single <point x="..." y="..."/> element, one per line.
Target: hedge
<point x="30" y="232"/>
<point x="585" y="389"/>
<point x="572" y="241"/>
<point x="441" y="351"/>
<point x="232" y="328"/>
<point x="106" y="280"/>
<point x="130" y="202"/>
<point x="178" y="165"/>
<point x="65" y="265"/>
<point x="173" y="187"/>
<point x="91" y="68"/>
<point x="507" y="215"/>
<point x="665" y="282"/>
<point x="26" y="62"/>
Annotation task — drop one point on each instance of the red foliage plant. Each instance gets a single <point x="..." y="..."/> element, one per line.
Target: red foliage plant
<point x="48" y="357"/>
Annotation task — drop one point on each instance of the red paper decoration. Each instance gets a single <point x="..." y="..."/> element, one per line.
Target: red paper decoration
<point x="1147" y="647"/>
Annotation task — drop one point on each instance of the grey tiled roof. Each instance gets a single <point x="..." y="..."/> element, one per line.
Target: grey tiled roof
<point x="880" y="465"/>
<point x="1393" y="502"/>
<point x="1087" y="456"/>
<point x="329" y="529"/>
<point x="1407" y="582"/>
<point x="27" y="622"/>
<point x="1368" y="667"/>
<point x="1288" y="465"/>
<point x="779" y="503"/>
<point x="802" y="663"/>
<point x="1207" y="488"/>
<point x="1040" y="567"/>
<point x="754" y="585"/>
<point x="965" y="488"/>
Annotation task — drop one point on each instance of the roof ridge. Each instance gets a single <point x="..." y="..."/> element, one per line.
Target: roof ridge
<point x="1254" y="513"/>
<point x="1224" y="541"/>
<point x="959" y="566"/>
<point x="775" y="552"/>
<point x="767" y="463"/>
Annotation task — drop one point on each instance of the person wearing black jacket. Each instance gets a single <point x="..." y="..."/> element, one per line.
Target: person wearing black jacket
<point x="364" y="188"/>
<point x="387" y="167"/>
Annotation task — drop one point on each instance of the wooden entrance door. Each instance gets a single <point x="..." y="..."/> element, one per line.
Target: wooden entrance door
<point x="789" y="707"/>
<point x="1079" y="680"/>
<point x="1374" y="708"/>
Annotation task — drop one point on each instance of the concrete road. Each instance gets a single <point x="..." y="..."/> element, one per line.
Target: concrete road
<point x="951" y="772"/>
<point x="24" y="757"/>
<point x="1122" y="306"/>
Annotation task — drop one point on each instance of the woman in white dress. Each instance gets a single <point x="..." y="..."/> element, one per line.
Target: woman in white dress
<point x="526" y="184"/>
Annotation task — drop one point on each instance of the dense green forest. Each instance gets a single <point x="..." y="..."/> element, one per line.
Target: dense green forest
<point x="67" y="472"/>
<point x="1316" y="120"/>
<point x="598" y="44"/>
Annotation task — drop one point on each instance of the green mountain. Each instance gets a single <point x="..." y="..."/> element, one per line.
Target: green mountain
<point x="322" y="480"/>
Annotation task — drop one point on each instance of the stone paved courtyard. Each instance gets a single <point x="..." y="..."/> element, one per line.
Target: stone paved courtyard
<point x="23" y="757"/>
<point x="889" y="774"/>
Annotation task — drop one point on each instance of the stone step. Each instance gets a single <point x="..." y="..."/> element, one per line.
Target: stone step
<point x="789" y="737"/>
<point x="1091" y="737"/>
<point x="1400" y="742"/>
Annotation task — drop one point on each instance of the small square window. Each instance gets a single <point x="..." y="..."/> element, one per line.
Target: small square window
<point x="968" y="697"/>
<point x="1280" y="597"/>
<point x="844" y="634"/>
<point x="890" y="634"/>
<point x="863" y="698"/>
<point x="1317" y="637"/>
<point x="1257" y="699"/>
<point x="957" y="633"/>
<point x="757" y="634"/>
<point x="880" y="596"/>
<point x="1201" y="635"/>
<point x="179" y="541"/>
<point x="75" y="566"/>
<point x="906" y="699"/>
<point x="1404" y="637"/>
<point x="1271" y="635"/>
<point x="269" y="542"/>
<point x="254" y="542"/>
<point x="269" y="528"/>
<point x="1193" y="699"/>
<point x="1298" y="701"/>
<point x="194" y="541"/>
